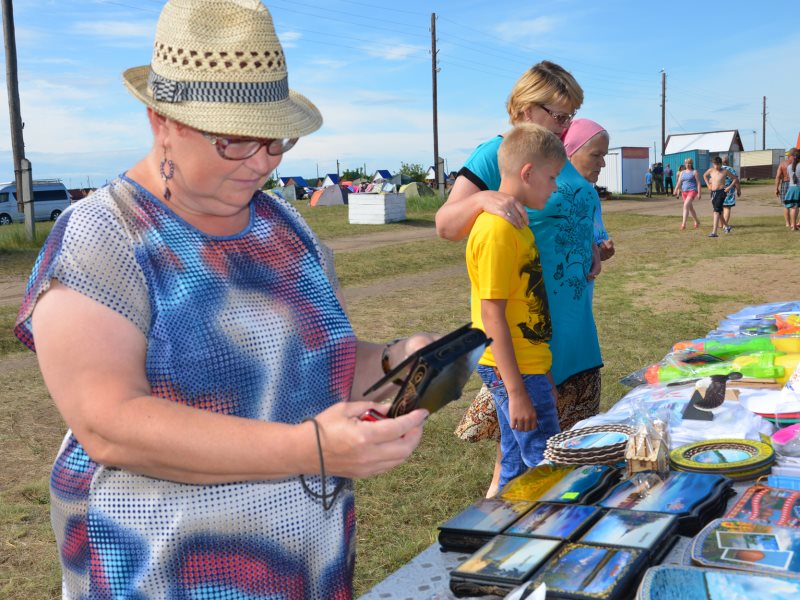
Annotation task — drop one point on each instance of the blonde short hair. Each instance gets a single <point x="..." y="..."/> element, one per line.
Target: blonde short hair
<point x="529" y="143"/>
<point x="543" y="83"/>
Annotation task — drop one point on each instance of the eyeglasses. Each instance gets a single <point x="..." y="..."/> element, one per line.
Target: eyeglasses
<point x="562" y="119"/>
<point x="242" y="149"/>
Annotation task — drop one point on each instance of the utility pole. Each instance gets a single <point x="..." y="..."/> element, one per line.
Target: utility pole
<point x="663" y="111"/>
<point x="764" y="125"/>
<point x="22" y="166"/>
<point x="337" y="167"/>
<point x="438" y="180"/>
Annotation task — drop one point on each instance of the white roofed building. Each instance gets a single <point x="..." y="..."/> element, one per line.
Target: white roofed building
<point x="713" y="141"/>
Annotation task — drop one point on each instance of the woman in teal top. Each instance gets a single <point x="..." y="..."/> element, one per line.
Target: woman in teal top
<point x="564" y="230"/>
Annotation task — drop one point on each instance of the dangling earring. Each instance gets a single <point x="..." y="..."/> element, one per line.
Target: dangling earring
<point x="167" y="170"/>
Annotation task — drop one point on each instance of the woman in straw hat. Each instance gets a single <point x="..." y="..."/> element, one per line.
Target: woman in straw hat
<point x="548" y="95"/>
<point x="188" y="329"/>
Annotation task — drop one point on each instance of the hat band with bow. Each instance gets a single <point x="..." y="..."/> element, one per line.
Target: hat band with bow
<point x="169" y="90"/>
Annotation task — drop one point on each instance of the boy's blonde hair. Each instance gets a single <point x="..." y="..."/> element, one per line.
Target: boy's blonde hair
<point x="528" y="143"/>
<point x="543" y="83"/>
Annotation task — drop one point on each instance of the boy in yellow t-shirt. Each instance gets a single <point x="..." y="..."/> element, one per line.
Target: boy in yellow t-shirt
<point x="509" y="302"/>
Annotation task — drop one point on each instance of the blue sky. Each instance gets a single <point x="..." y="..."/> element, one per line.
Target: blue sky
<point x="367" y="65"/>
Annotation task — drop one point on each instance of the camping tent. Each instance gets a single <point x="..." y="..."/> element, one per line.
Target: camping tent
<point x="401" y="179"/>
<point x="330" y="179"/>
<point x="329" y="196"/>
<point x="381" y="175"/>
<point x="292" y="191"/>
<point x="415" y="190"/>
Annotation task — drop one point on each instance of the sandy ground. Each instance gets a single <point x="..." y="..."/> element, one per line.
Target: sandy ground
<point x="755" y="201"/>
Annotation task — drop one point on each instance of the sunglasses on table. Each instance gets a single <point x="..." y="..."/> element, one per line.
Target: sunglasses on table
<point x="562" y="119"/>
<point x="231" y="148"/>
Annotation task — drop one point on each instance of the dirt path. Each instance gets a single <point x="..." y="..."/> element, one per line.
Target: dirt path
<point x="756" y="201"/>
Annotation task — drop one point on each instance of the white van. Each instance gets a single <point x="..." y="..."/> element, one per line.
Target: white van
<point x="50" y="199"/>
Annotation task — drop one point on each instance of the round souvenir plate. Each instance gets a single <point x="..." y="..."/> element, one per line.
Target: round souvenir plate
<point x="742" y="475"/>
<point x="603" y="459"/>
<point x="580" y="455"/>
<point x="722" y="455"/>
<point x="591" y="439"/>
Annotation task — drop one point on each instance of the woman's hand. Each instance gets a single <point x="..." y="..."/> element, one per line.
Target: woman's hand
<point x="606" y="248"/>
<point x="505" y="206"/>
<point x="466" y="201"/>
<point x="355" y="448"/>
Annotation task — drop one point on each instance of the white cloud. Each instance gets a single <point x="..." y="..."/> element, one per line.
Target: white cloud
<point x="328" y="63"/>
<point x="394" y="52"/>
<point x="524" y="29"/>
<point x="116" y="30"/>
<point x="289" y="38"/>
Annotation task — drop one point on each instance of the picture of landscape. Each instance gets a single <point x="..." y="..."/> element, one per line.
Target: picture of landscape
<point x="745" y="545"/>
<point x="587" y="569"/>
<point x="491" y="515"/>
<point x="690" y="583"/>
<point x="553" y="520"/>
<point x="758" y="541"/>
<point x="593" y="440"/>
<point x="576" y="484"/>
<point x="630" y="528"/>
<point x="678" y="494"/>
<point x="721" y="456"/>
<point x="508" y="558"/>
<point x="775" y="559"/>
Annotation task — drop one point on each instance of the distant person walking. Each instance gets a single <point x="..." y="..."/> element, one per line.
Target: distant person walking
<point x="658" y="177"/>
<point x="715" y="179"/>
<point x="782" y="183"/>
<point x="730" y="199"/>
<point x="668" y="187"/>
<point x="648" y="183"/>
<point x="688" y="186"/>
<point x="792" y="199"/>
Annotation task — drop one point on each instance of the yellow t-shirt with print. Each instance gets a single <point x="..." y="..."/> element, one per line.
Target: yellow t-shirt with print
<point x="503" y="264"/>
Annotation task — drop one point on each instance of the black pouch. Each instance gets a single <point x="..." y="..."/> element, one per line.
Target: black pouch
<point x="437" y="373"/>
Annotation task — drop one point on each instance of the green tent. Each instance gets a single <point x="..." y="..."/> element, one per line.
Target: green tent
<point x="416" y="189"/>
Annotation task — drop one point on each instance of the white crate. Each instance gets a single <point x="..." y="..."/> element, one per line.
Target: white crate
<point x="376" y="209"/>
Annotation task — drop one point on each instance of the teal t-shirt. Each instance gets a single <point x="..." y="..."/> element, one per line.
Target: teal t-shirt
<point x="565" y="230"/>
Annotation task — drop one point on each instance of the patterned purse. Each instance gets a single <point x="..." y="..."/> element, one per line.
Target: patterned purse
<point x="480" y="419"/>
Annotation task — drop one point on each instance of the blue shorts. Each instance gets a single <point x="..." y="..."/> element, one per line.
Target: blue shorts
<point x="730" y="200"/>
<point x="522" y="449"/>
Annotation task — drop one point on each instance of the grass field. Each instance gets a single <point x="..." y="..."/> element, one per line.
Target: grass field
<point x="664" y="285"/>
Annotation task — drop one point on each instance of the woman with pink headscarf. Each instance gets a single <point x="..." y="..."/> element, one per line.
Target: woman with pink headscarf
<point x="586" y="143"/>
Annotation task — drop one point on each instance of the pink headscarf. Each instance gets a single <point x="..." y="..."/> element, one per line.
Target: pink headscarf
<point x="580" y="131"/>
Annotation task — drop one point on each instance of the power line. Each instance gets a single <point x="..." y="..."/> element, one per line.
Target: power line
<point x="148" y="10"/>
<point x="370" y="24"/>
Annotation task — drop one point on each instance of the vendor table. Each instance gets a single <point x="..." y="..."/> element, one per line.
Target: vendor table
<point x="427" y="575"/>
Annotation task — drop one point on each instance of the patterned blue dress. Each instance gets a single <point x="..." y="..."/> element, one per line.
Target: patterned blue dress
<point x="246" y="325"/>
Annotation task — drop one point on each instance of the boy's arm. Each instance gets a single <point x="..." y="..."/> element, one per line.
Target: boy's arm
<point x="778" y="179"/>
<point x="707" y="178"/>
<point x="520" y="407"/>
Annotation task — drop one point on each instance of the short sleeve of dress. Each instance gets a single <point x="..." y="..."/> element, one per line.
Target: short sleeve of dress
<point x="91" y="250"/>
<point x="481" y="167"/>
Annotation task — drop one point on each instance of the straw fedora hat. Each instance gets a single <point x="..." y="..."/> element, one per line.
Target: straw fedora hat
<point x="219" y="67"/>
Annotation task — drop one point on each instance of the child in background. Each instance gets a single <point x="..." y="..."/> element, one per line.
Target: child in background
<point x="648" y="184"/>
<point x="509" y="302"/>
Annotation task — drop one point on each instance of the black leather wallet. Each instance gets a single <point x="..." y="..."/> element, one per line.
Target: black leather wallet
<point x="437" y="373"/>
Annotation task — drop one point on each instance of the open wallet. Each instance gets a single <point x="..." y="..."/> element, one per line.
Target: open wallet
<point x="434" y="375"/>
